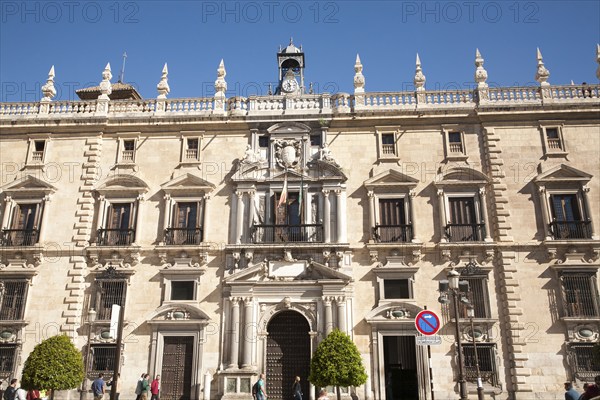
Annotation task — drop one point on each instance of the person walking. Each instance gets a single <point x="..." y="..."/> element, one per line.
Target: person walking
<point x="11" y="390"/>
<point x="155" y="387"/>
<point x="34" y="394"/>
<point x="261" y="394"/>
<point x="145" y="388"/>
<point x="323" y="395"/>
<point x="99" y="387"/>
<point x="138" y="387"/>
<point x="21" y="394"/>
<point x="570" y="393"/>
<point x="297" y="389"/>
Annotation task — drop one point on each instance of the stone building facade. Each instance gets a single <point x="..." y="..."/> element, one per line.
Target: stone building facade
<point x="237" y="232"/>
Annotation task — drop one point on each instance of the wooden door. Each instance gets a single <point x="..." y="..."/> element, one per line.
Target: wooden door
<point x="176" y="375"/>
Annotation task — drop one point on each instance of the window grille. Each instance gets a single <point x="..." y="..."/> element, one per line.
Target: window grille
<point x="103" y="360"/>
<point x="13" y="299"/>
<point x="7" y="361"/>
<point x="585" y="368"/>
<point x="580" y="294"/>
<point x="486" y="355"/>
<point x="109" y="292"/>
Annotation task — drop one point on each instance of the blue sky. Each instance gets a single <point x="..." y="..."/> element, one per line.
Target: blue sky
<point x="80" y="37"/>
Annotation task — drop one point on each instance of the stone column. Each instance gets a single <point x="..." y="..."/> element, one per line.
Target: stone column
<point x="586" y="204"/>
<point x="206" y="217"/>
<point x="326" y="217"/>
<point x="139" y="219"/>
<point x="341" y="216"/>
<point x="248" y="327"/>
<point x="45" y="216"/>
<point x="328" y="315"/>
<point x="168" y="216"/>
<point x="484" y="213"/>
<point x="102" y="212"/>
<point x="442" y="211"/>
<point x="341" y="304"/>
<point x="371" y="195"/>
<point x="239" y="230"/>
<point x="8" y="209"/>
<point x="411" y="214"/>
<point x="251" y="210"/>
<point x="235" y="333"/>
<point x="545" y="216"/>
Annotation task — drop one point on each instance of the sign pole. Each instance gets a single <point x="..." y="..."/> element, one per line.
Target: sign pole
<point x="430" y="369"/>
<point x="117" y="361"/>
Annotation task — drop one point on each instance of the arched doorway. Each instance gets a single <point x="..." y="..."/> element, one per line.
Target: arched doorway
<point x="288" y="354"/>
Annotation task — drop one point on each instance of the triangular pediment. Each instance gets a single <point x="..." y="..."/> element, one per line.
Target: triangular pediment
<point x="563" y="173"/>
<point x="390" y="178"/>
<point x="187" y="183"/>
<point x="461" y="176"/>
<point x="122" y="183"/>
<point x="30" y="184"/>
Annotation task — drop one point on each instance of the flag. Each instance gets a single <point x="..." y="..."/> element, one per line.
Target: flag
<point x="283" y="198"/>
<point x="300" y="196"/>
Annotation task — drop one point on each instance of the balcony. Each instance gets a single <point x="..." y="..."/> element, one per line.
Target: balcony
<point x="561" y="230"/>
<point x="388" y="150"/>
<point x="465" y="232"/>
<point x="312" y="233"/>
<point x="183" y="236"/>
<point x="19" y="237"/>
<point x="392" y="233"/>
<point x="115" y="237"/>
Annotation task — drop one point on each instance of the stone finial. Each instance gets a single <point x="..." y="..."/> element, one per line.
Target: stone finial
<point x="480" y="72"/>
<point x="598" y="60"/>
<point x="163" y="86"/>
<point x="105" y="85"/>
<point x="220" y="84"/>
<point x="419" y="77"/>
<point x="48" y="89"/>
<point x="542" y="73"/>
<point x="359" y="78"/>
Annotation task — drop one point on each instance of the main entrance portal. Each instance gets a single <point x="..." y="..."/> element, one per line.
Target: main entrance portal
<point x="401" y="381"/>
<point x="288" y="354"/>
<point x="176" y="376"/>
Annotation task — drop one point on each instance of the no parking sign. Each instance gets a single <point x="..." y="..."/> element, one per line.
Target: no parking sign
<point x="427" y="323"/>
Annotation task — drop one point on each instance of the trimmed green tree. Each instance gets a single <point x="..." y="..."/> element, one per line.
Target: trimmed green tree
<point x="53" y="364"/>
<point x="337" y="362"/>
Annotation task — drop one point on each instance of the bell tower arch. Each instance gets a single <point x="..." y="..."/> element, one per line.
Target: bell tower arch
<point x="291" y="70"/>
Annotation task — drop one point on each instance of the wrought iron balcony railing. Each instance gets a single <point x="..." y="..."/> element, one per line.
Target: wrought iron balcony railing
<point x="287" y="233"/>
<point x="115" y="237"/>
<point x="571" y="230"/>
<point x="19" y="237"/>
<point x="392" y="233"/>
<point x="465" y="232"/>
<point x="183" y="236"/>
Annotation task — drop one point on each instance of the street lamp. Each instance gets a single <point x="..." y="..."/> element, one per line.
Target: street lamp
<point x="458" y="289"/>
<point x="471" y="315"/>
<point x="91" y="318"/>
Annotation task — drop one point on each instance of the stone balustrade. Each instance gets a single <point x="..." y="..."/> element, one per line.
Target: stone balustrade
<point x="339" y="103"/>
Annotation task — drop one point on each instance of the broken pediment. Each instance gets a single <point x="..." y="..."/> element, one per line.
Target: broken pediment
<point x="390" y="178"/>
<point x="187" y="183"/>
<point x="288" y="128"/>
<point x="29" y="185"/>
<point x="562" y="173"/>
<point x="394" y="311"/>
<point x="287" y="270"/>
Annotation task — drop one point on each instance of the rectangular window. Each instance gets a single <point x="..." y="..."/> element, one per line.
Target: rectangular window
<point x="128" y="154"/>
<point x="7" y="361"/>
<point x="585" y="367"/>
<point x="486" y="358"/>
<point x="103" y="359"/>
<point x="109" y="292"/>
<point x="388" y="144"/>
<point x="38" y="150"/>
<point x="191" y="151"/>
<point x="25" y="225"/>
<point x="263" y="147"/>
<point x="580" y="294"/>
<point x="478" y="297"/>
<point x="462" y="225"/>
<point x="396" y="289"/>
<point x="13" y="295"/>
<point x="567" y="221"/>
<point x="315" y="140"/>
<point x="119" y="229"/>
<point x="553" y="138"/>
<point x="186" y="225"/>
<point x="455" y="142"/>
<point x="392" y="226"/>
<point x="182" y="290"/>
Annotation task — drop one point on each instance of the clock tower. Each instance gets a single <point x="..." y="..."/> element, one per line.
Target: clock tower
<point x="291" y="70"/>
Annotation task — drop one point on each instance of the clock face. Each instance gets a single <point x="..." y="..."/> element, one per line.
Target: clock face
<point x="289" y="85"/>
